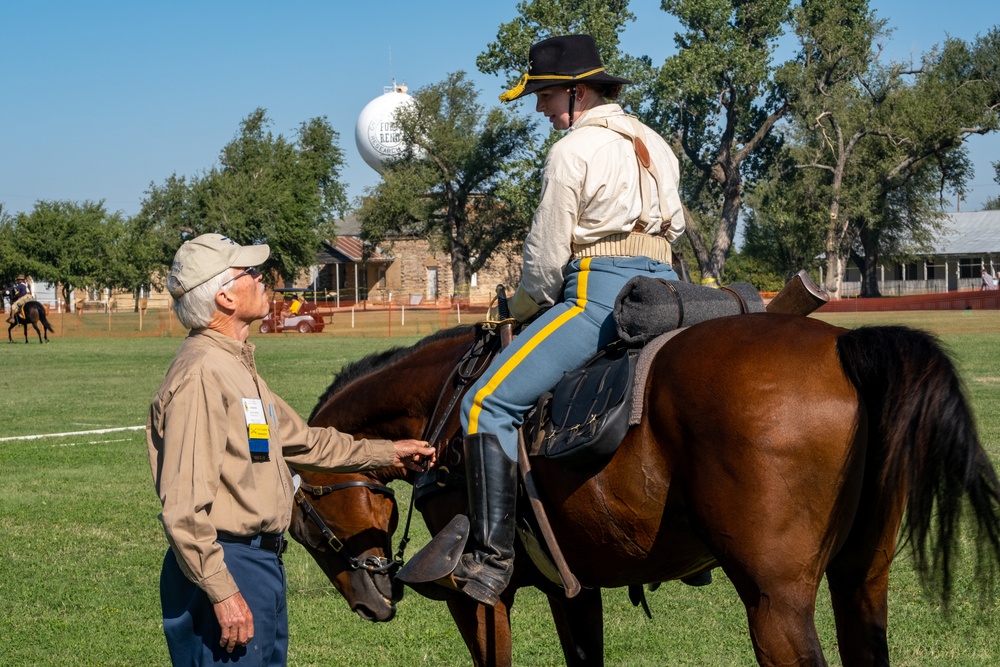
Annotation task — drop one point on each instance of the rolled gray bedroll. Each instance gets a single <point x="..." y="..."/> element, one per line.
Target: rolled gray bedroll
<point x="647" y="307"/>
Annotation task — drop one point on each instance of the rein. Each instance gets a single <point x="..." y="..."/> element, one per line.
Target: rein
<point x="373" y="564"/>
<point x="472" y="364"/>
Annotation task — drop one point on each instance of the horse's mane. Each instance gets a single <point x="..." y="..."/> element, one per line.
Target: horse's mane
<point x="377" y="360"/>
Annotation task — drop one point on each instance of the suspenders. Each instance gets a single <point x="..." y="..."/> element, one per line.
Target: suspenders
<point x="646" y="165"/>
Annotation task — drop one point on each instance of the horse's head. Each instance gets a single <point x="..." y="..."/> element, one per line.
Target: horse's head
<point x="345" y="522"/>
<point x="390" y="395"/>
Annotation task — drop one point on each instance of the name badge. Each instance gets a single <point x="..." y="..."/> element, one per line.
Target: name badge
<point x="258" y="432"/>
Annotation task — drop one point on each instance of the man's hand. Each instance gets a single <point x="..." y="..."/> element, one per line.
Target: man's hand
<point x="412" y="454"/>
<point x="236" y="621"/>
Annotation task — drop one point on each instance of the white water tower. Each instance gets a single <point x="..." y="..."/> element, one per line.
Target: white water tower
<point x="377" y="135"/>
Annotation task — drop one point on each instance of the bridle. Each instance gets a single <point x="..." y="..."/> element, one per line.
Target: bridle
<point x="372" y="564"/>
<point x="472" y="364"/>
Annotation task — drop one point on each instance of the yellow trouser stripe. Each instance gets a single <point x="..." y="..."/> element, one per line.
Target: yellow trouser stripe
<point x="501" y="375"/>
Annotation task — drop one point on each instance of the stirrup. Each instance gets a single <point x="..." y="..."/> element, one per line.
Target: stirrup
<point x="439" y="558"/>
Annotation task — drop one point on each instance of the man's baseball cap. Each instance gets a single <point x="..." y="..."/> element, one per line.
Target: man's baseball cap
<point x="202" y="258"/>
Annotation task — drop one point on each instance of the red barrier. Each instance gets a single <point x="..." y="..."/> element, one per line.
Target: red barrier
<point x="969" y="300"/>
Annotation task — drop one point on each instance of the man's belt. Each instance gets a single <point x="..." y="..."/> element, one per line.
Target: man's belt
<point x="273" y="542"/>
<point x="626" y="244"/>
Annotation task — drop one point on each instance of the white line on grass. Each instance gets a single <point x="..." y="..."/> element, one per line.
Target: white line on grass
<point x="63" y="435"/>
<point x="89" y="442"/>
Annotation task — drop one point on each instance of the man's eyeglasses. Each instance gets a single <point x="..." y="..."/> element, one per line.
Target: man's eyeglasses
<point x="253" y="272"/>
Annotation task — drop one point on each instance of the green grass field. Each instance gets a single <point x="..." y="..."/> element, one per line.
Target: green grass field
<point x="80" y="545"/>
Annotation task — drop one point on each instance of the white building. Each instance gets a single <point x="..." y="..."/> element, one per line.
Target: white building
<point x="969" y="243"/>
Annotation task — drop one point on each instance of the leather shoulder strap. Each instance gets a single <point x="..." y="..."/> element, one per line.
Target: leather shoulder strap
<point x="645" y="164"/>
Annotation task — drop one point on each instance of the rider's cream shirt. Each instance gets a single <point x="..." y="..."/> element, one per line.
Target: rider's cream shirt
<point x="590" y="190"/>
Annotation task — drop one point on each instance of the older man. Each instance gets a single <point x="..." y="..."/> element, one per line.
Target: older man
<point x="219" y="440"/>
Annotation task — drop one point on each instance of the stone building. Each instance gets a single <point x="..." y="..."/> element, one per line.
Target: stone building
<point x="403" y="271"/>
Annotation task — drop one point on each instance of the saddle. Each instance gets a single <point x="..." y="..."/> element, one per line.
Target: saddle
<point x="586" y="416"/>
<point x="20" y="313"/>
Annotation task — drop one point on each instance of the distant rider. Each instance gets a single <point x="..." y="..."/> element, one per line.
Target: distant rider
<point x="21" y="295"/>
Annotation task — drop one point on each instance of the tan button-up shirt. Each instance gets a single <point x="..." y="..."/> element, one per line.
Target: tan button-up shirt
<point x="199" y="452"/>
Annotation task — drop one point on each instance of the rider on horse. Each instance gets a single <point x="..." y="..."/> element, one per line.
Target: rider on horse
<point x="609" y="210"/>
<point x="19" y="296"/>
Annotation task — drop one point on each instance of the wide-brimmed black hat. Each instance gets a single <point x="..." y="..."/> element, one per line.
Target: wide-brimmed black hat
<point x="560" y="61"/>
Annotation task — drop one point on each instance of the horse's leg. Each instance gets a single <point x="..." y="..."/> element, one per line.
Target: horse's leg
<point x="780" y="612"/>
<point x="580" y="624"/>
<point x="486" y="630"/>
<point x="858" y="577"/>
<point x="766" y="519"/>
<point x="37" y="332"/>
<point x="860" y="608"/>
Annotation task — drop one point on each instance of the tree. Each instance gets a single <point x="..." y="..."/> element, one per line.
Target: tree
<point x="168" y="217"/>
<point x="459" y="181"/>
<point x="785" y="217"/>
<point x="719" y="94"/>
<point x="892" y="219"/>
<point x="265" y="189"/>
<point x="888" y="137"/>
<point x="268" y="189"/>
<point x="11" y="261"/>
<point x="135" y="256"/>
<point x="993" y="203"/>
<point x="839" y="94"/>
<point x="67" y="243"/>
<point x="604" y="20"/>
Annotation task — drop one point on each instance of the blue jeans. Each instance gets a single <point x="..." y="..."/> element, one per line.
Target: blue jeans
<point x="563" y="338"/>
<point x="189" y="622"/>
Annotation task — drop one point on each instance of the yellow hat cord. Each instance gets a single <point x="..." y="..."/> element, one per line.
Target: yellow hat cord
<point x="516" y="91"/>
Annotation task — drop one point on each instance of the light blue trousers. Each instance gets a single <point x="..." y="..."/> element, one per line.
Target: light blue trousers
<point x="561" y="339"/>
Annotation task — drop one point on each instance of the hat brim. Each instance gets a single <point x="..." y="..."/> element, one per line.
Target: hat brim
<point x="533" y="86"/>
<point x="251" y="255"/>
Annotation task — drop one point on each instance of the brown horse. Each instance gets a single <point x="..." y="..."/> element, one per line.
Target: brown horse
<point x="31" y="313"/>
<point x="778" y="448"/>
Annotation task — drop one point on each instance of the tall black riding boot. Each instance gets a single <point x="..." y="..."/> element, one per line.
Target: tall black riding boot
<point x="484" y="570"/>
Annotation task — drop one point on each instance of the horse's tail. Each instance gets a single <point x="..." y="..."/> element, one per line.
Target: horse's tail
<point x="925" y="438"/>
<point x="45" y="320"/>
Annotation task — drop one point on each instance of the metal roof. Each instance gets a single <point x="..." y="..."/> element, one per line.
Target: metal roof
<point x="347" y="250"/>
<point x="349" y="225"/>
<point x="971" y="233"/>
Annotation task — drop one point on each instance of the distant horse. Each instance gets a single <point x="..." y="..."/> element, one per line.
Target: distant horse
<point x="33" y="313"/>
<point x="778" y="448"/>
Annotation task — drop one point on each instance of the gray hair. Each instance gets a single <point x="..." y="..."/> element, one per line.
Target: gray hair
<point x="195" y="309"/>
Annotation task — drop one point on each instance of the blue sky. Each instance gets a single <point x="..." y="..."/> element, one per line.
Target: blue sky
<point x="100" y="99"/>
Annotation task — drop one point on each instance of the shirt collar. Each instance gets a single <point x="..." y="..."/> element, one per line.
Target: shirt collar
<point x="225" y="342"/>
<point x="600" y="111"/>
